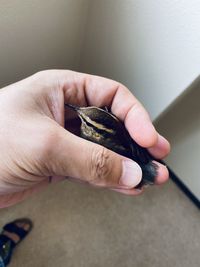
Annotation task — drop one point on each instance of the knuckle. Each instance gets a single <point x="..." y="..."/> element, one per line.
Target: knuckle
<point x="39" y="74"/>
<point x="43" y="72"/>
<point x="101" y="166"/>
<point x="44" y="75"/>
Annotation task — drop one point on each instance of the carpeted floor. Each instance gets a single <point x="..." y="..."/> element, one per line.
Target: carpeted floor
<point x="79" y="226"/>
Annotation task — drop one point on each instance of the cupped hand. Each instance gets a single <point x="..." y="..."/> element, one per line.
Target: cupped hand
<point x="36" y="148"/>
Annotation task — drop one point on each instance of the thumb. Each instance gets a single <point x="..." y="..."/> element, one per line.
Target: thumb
<point x="93" y="163"/>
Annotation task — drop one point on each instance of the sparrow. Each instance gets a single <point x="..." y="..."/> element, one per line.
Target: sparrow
<point x="100" y="126"/>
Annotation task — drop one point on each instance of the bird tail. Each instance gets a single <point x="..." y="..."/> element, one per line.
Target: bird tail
<point x="149" y="173"/>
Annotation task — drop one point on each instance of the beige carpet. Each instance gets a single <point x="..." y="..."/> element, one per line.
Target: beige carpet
<point x="79" y="226"/>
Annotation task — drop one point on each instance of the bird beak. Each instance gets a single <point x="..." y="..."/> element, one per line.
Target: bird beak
<point x="75" y="108"/>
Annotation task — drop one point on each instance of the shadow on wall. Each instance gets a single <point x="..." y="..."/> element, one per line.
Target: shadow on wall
<point x="182" y="117"/>
<point x="180" y="124"/>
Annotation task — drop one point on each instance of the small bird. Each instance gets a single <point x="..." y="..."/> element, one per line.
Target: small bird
<point x="100" y="126"/>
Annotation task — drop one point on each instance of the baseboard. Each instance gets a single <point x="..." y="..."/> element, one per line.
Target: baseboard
<point x="184" y="188"/>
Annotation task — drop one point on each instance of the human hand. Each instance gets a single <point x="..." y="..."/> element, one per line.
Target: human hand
<point x="35" y="145"/>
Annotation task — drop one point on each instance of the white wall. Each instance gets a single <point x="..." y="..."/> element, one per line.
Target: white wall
<point x="152" y="46"/>
<point x="37" y="35"/>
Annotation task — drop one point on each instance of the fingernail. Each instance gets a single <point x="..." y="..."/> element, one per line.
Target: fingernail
<point x="131" y="174"/>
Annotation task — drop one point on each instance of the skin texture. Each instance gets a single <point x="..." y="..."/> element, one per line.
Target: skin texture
<point x="35" y="145"/>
